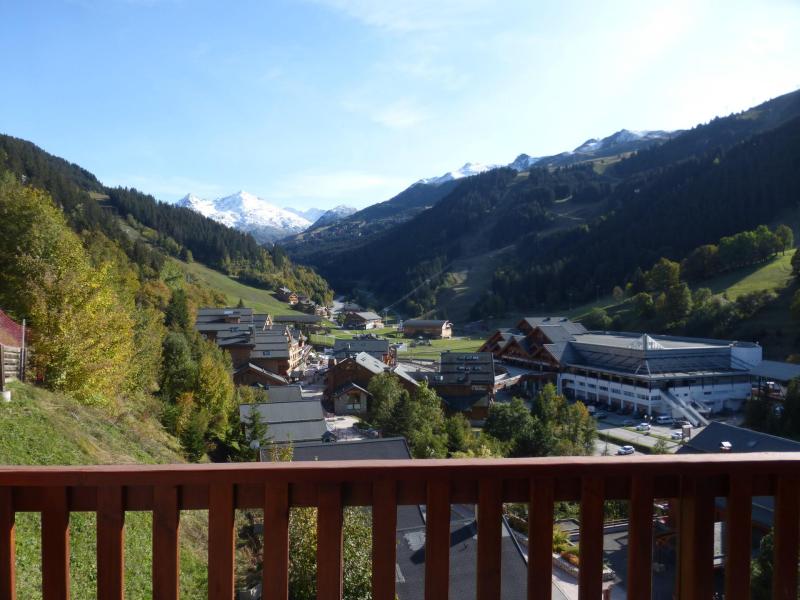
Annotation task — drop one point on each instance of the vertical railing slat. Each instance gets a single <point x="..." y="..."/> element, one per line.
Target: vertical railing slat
<point x="590" y="575"/>
<point x="540" y="539"/>
<point x="166" y="530"/>
<point x="55" y="544"/>
<point x="490" y="513"/>
<point x="695" y="540"/>
<point x="110" y="543"/>
<point x="275" y="582"/>
<point x="640" y="538"/>
<point x="221" y="529"/>
<point x="437" y="540"/>
<point x="329" y="542"/>
<point x="787" y="539"/>
<point x="384" y="531"/>
<point x="739" y="538"/>
<point x="7" y="545"/>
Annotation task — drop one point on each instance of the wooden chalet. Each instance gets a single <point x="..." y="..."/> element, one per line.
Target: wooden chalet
<point x="360" y="370"/>
<point x="351" y="399"/>
<point x="277" y="350"/>
<point x="376" y="347"/>
<point x="363" y="320"/>
<point x="210" y="322"/>
<point x="429" y="328"/>
<point x="466" y="383"/>
<point x="536" y="343"/>
<point x="287" y="295"/>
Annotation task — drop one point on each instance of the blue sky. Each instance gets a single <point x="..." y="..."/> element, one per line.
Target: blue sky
<point x="318" y="103"/>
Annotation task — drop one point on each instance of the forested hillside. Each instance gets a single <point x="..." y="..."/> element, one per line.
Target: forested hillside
<point x="175" y="231"/>
<point x="357" y="230"/>
<point x="552" y="237"/>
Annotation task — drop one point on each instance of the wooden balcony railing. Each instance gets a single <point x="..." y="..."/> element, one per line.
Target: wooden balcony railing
<point x="694" y="481"/>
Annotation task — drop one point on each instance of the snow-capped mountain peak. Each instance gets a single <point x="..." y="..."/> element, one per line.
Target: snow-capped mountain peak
<point x="248" y="212"/>
<point x="623" y="136"/>
<point x="468" y="170"/>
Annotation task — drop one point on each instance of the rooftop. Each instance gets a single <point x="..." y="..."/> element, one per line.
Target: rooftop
<point x="776" y="370"/>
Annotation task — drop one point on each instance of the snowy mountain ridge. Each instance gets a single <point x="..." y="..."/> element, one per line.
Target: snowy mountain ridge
<point x="620" y="141"/>
<point x="247" y="212"/>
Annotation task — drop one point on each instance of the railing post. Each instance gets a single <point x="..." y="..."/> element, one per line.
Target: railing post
<point x="166" y="557"/>
<point x="384" y="531"/>
<point x="110" y="543"/>
<point x="55" y="544"/>
<point x="2" y="368"/>
<point x="221" y="531"/>
<point x="7" y="545"/>
<point x="787" y="539"/>
<point x="275" y="584"/>
<point x="490" y="514"/>
<point x="540" y="539"/>
<point x="738" y="524"/>
<point x="329" y="542"/>
<point x="590" y="574"/>
<point x="640" y="538"/>
<point x="437" y="540"/>
<point x="695" y="540"/>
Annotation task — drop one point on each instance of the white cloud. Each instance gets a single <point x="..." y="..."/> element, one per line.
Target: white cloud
<point x="407" y="15"/>
<point x="399" y="115"/>
<point x="403" y="113"/>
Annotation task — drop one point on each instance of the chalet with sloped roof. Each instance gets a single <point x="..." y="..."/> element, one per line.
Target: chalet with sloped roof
<point x="363" y="320"/>
<point x="428" y="328"/>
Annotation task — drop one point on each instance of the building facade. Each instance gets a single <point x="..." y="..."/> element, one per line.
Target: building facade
<point x="670" y="375"/>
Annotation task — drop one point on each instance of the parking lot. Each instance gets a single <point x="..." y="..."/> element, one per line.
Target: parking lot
<point x="622" y="428"/>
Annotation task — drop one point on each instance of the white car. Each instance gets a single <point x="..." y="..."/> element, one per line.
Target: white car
<point x="625" y="450"/>
<point x="643" y="427"/>
<point x="676" y="435"/>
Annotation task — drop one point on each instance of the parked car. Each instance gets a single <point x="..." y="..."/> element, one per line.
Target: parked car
<point x="643" y="427"/>
<point x="625" y="450"/>
<point x="600" y="415"/>
<point x="676" y="435"/>
<point x="665" y="420"/>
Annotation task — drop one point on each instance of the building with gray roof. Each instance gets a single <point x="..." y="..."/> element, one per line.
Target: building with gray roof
<point x="289" y="421"/>
<point x="377" y="348"/>
<point x="362" y="320"/>
<point x="430" y="328"/>
<point x="680" y="376"/>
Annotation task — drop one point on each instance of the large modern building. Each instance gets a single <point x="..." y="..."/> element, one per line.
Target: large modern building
<point x="679" y="376"/>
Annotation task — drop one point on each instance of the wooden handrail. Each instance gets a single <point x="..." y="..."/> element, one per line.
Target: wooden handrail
<point x="693" y="480"/>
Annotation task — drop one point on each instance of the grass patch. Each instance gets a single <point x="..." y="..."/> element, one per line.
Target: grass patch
<point x="259" y="300"/>
<point x="773" y="276"/>
<point x="40" y="428"/>
<point x="433" y="351"/>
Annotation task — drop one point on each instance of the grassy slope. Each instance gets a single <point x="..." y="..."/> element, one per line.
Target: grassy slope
<point x="40" y="428"/>
<point x="259" y="300"/>
<point x="774" y="275"/>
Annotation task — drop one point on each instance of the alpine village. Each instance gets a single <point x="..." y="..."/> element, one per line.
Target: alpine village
<point x="572" y="376"/>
